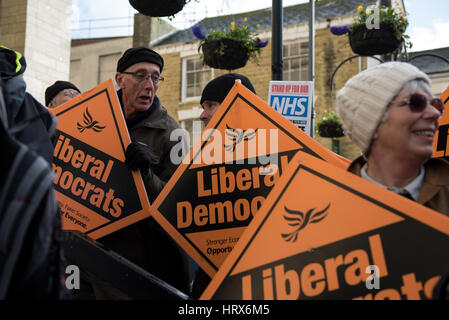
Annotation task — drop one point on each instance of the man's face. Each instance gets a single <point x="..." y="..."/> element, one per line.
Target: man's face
<point x="209" y="109"/>
<point x="62" y="97"/>
<point x="406" y="133"/>
<point x="138" y="89"/>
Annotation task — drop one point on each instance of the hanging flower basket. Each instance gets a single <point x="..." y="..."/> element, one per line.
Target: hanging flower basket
<point x="229" y="49"/>
<point x="158" y="8"/>
<point x="331" y="130"/>
<point x="386" y="34"/>
<point x="330" y="126"/>
<point x="367" y="42"/>
<point x="224" y="54"/>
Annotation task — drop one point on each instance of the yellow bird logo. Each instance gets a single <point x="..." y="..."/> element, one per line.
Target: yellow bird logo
<point x="237" y="136"/>
<point x="300" y="220"/>
<point x="89" y="123"/>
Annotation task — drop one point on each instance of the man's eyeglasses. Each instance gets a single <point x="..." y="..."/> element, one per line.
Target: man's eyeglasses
<point x="70" y="93"/>
<point x="141" y="77"/>
<point x="418" y="102"/>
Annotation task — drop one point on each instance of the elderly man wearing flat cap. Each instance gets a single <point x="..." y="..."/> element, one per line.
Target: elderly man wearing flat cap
<point x="389" y="112"/>
<point x="59" y="93"/>
<point x="139" y="76"/>
<point x="145" y="242"/>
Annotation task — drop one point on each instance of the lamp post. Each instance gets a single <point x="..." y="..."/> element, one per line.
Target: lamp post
<point x="276" y="40"/>
<point x="276" y="44"/>
<point x="312" y="58"/>
<point x="311" y="40"/>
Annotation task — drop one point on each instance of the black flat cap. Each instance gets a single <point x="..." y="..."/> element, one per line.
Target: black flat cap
<point x="218" y="88"/>
<point x="57" y="87"/>
<point x="139" y="54"/>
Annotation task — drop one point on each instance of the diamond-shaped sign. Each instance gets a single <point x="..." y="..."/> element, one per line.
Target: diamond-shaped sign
<point x="96" y="193"/>
<point x="222" y="183"/>
<point x="324" y="233"/>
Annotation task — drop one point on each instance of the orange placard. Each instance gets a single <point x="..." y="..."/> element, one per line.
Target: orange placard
<point x="97" y="194"/>
<point x="441" y="142"/>
<point x="320" y="232"/>
<point x="345" y="162"/>
<point x="222" y="183"/>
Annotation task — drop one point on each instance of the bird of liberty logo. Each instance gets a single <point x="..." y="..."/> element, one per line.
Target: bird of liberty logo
<point x="89" y="123"/>
<point x="299" y="220"/>
<point x="238" y="135"/>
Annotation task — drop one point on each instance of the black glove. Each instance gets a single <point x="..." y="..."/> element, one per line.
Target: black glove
<point x="136" y="157"/>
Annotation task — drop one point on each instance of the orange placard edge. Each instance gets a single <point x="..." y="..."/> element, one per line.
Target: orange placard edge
<point x="429" y="217"/>
<point x="444" y="121"/>
<point x="114" y="105"/>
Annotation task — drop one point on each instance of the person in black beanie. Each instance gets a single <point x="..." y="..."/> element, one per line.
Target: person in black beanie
<point x="60" y="92"/>
<point x="145" y="243"/>
<point x="216" y="91"/>
<point x="211" y="98"/>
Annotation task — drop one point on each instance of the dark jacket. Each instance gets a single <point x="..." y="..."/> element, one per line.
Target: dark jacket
<point x="32" y="250"/>
<point x="434" y="192"/>
<point x="154" y="132"/>
<point x="145" y="242"/>
<point x="23" y="106"/>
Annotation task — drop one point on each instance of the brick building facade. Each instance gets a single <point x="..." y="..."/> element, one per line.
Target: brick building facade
<point x="185" y="75"/>
<point x="88" y="62"/>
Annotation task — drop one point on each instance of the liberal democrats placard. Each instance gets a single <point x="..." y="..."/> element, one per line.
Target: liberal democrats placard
<point x="96" y="192"/>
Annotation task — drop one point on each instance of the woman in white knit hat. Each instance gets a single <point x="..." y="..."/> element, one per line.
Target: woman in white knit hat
<point x="390" y="113"/>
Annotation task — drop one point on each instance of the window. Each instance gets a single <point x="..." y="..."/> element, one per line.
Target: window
<point x="195" y="76"/>
<point x="296" y="61"/>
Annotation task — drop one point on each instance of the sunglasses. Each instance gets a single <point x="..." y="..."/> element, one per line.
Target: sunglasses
<point x="418" y="102"/>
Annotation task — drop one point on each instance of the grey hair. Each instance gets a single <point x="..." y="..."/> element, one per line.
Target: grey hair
<point x="414" y="85"/>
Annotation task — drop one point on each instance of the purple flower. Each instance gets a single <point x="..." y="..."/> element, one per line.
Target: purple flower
<point x="338" y="31"/>
<point x="260" y="43"/>
<point x="196" y="29"/>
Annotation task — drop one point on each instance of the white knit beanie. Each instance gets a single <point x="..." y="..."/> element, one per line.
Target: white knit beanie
<point x="363" y="100"/>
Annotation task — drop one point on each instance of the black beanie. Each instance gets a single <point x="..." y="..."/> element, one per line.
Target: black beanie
<point x="139" y="54"/>
<point x="218" y="88"/>
<point x="57" y="87"/>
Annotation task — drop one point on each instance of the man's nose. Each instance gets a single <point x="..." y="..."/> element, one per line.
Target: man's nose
<point x="148" y="83"/>
<point x="203" y="116"/>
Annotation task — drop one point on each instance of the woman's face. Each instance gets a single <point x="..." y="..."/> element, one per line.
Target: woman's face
<point x="407" y="132"/>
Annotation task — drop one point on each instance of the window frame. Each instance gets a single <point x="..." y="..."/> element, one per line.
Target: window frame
<point x="184" y="97"/>
<point x="299" y="42"/>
